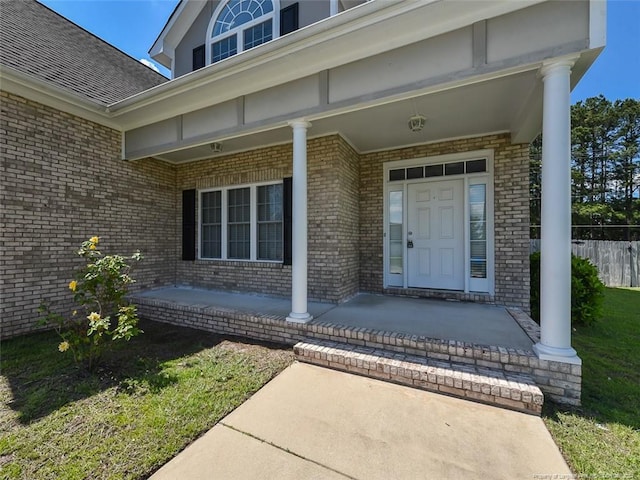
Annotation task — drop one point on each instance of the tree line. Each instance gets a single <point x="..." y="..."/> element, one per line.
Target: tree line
<point x="605" y="171"/>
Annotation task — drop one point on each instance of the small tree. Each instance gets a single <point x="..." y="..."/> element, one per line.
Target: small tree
<point x="103" y="314"/>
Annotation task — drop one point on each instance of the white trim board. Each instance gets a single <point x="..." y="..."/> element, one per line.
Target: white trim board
<point x="487" y="177"/>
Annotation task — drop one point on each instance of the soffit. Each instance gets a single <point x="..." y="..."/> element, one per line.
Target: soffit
<point x="472" y="110"/>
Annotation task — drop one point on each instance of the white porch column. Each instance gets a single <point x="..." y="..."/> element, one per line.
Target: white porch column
<point x="299" y="311"/>
<point x="555" y="267"/>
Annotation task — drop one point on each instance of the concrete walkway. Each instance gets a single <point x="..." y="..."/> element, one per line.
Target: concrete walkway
<point x="315" y="423"/>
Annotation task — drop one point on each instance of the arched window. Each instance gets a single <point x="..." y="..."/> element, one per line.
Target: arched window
<point x="239" y="25"/>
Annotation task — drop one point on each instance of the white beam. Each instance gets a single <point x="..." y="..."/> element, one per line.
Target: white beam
<point x="299" y="313"/>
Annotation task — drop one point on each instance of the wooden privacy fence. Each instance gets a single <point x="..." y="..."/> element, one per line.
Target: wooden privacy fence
<point x="618" y="263"/>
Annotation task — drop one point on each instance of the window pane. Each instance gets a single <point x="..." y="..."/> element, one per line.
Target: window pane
<point x="433" y="171"/>
<point x="239" y="12"/>
<point x="239" y="205"/>
<point x="415" y="172"/>
<point x="454" y="168"/>
<point x="270" y="227"/>
<point x="270" y="203"/>
<point x="478" y="212"/>
<point x="257" y="34"/>
<point x="396" y="244"/>
<point x="211" y="244"/>
<point x="238" y="223"/>
<point x="270" y="241"/>
<point x="478" y="269"/>
<point x="239" y="241"/>
<point x="474" y="166"/>
<point x="224" y="48"/>
<point x="478" y="230"/>
<point x="211" y="231"/>
<point x="396" y="174"/>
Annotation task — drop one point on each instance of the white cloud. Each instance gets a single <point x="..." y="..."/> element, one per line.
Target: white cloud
<point x="149" y="64"/>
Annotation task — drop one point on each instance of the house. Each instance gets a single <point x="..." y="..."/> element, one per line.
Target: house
<point x="309" y="150"/>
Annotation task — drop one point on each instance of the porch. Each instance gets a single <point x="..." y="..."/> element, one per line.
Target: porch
<point x="377" y="315"/>
<point x="480" y="352"/>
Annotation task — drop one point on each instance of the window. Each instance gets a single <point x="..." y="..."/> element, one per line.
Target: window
<point x="250" y="20"/>
<point x="249" y="219"/>
<point x="478" y="230"/>
<point x="223" y="49"/>
<point x="454" y="168"/>
<point x="211" y="225"/>
<point x="270" y="222"/>
<point x="239" y="223"/>
<point x="396" y="243"/>
<point x="198" y="57"/>
<point x="254" y="36"/>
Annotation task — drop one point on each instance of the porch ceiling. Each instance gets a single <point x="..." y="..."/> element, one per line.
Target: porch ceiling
<point x="489" y="106"/>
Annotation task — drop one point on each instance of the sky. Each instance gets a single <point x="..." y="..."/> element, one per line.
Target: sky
<point x="133" y="25"/>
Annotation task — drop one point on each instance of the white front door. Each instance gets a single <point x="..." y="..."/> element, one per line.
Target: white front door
<point x="435" y="235"/>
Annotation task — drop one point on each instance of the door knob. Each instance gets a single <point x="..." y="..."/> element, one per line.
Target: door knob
<point x="410" y="244"/>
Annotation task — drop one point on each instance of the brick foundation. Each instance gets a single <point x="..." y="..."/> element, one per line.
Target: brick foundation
<point x="558" y="381"/>
<point x="495" y="387"/>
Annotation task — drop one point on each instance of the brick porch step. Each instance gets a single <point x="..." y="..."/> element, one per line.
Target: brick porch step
<point x="514" y="391"/>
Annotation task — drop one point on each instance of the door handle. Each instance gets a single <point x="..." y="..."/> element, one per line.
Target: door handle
<point x="409" y="243"/>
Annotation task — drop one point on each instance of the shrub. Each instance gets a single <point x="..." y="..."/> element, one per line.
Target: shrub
<point x="587" y="291"/>
<point x="103" y="314"/>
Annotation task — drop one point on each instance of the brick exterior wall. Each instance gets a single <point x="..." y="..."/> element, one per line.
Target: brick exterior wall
<point x="347" y="243"/>
<point x="62" y="181"/>
<point x="511" y="214"/>
<point x="332" y="213"/>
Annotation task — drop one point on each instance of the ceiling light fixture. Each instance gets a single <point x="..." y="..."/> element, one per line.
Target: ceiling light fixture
<point x="216" y="147"/>
<point x="416" y="122"/>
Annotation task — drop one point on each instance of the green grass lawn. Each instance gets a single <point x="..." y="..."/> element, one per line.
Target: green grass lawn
<point x="602" y="438"/>
<point x="146" y="402"/>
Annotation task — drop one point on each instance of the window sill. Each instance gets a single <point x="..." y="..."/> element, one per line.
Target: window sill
<point x="241" y="262"/>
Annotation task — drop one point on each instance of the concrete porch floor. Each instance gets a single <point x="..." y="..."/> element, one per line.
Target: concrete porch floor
<point x="465" y="322"/>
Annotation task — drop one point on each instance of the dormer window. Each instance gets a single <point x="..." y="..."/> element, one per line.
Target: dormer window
<point x="239" y="25"/>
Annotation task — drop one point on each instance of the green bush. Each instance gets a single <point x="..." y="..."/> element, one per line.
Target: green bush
<point x="587" y="291"/>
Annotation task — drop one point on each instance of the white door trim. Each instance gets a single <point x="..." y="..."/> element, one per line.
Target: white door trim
<point x="471" y="285"/>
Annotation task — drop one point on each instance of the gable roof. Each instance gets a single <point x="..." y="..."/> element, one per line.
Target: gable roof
<point x="37" y="41"/>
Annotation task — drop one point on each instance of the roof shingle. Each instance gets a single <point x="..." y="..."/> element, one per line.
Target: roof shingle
<point x="37" y="41"/>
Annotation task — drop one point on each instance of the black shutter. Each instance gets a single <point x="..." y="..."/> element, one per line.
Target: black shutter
<point x="287" y="210"/>
<point x="188" y="225"/>
<point x="289" y="19"/>
<point x="198" y="57"/>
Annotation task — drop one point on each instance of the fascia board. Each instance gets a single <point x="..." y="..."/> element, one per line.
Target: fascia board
<point x="320" y="46"/>
<point x="35" y="89"/>
<point x="175" y="29"/>
<point x="597" y="23"/>
<point x="157" y="46"/>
